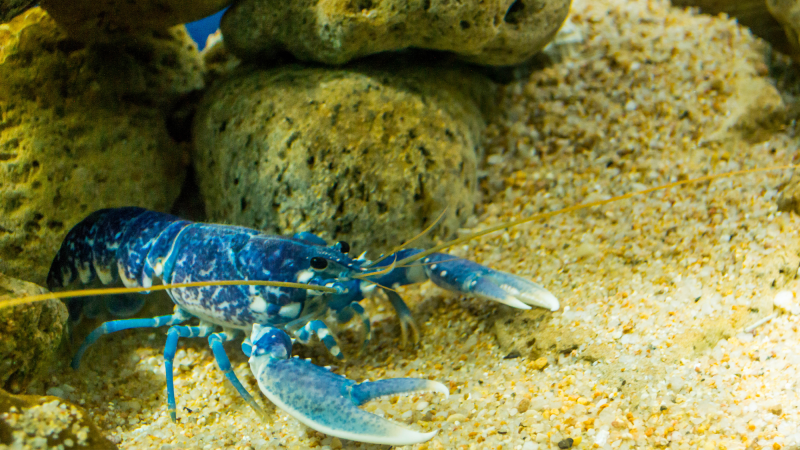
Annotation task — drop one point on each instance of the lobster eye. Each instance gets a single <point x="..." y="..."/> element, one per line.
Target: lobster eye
<point x="344" y="247"/>
<point x="319" y="263"/>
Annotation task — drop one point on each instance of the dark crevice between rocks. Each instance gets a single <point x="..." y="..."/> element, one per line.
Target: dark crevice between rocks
<point x="180" y="117"/>
<point x="189" y="205"/>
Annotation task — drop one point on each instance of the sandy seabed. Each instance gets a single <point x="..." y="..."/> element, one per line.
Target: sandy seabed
<point x="648" y="349"/>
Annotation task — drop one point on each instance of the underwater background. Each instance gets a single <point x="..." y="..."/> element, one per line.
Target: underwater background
<point x="372" y="121"/>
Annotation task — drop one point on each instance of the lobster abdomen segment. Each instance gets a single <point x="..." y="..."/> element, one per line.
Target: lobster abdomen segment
<point x="121" y="241"/>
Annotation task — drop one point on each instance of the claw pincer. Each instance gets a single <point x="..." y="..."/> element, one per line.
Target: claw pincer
<point x="329" y="402"/>
<point x="135" y="246"/>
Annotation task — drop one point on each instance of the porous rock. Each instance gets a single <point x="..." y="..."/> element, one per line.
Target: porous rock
<point x="490" y="32"/>
<point x="92" y="20"/>
<point x="361" y="154"/>
<point x="29" y="334"/>
<point x="31" y="421"/>
<point x="82" y="128"/>
<point x="10" y="8"/>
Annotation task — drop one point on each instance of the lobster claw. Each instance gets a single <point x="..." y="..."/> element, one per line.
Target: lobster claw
<point x="325" y="401"/>
<point x="463" y="275"/>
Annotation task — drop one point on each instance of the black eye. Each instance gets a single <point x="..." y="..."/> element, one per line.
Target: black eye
<point x="344" y="247"/>
<point x="319" y="263"/>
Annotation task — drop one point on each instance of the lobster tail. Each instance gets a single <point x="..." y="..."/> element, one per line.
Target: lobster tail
<point x="114" y="243"/>
<point x="90" y="247"/>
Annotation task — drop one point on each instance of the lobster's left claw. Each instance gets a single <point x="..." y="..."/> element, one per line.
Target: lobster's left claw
<point x="462" y="275"/>
<point x="328" y="402"/>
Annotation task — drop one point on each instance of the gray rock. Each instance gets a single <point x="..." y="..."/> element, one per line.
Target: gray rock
<point x="491" y="32"/>
<point x="29" y="334"/>
<point x="365" y="155"/>
<point x="83" y="128"/>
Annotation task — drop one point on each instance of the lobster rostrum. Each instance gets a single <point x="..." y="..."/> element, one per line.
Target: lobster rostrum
<point x="138" y="246"/>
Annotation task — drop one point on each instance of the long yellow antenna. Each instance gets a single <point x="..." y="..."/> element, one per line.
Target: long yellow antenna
<point x="547" y="215"/>
<point x="408" y="242"/>
<point x="6" y="302"/>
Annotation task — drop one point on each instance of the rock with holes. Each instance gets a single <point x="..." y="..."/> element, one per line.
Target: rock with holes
<point x="490" y="32"/>
<point x="92" y="20"/>
<point x="10" y="8"/>
<point x="29" y="334"/>
<point x="366" y="155"/>
<point x="82" y="128"/>
<point x="34" y="422"/>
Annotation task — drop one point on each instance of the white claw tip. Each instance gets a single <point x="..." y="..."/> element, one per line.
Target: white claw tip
<point x="545" y="299"/>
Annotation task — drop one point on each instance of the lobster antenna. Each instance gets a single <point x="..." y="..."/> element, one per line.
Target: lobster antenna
<point x="579" y="206"/>
<point x="380" y="271"/>
<point x="6" y="302"/>
<point x="387" y="269"/>
<point x="408" y="242"/>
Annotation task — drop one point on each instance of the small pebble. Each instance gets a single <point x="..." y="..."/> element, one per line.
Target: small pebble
<point x="56" y="391"/>
<point x="786" y="301"/>
<point x="457" y="418"/>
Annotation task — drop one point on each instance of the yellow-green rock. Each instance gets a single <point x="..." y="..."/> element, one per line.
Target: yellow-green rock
<point x="490" y="32"/>
<point x="371" y="156"/>
<point x="10" y="8"/>
<point x="30" y="334"/>
<point x="83" y="128"/>
<point x="93" y="20"/>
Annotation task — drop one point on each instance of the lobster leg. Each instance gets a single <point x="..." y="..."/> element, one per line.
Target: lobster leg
<point x="126" y="324"/>
<point x="224" y="364"/>
<point x="367" y="327"/>
<point x="346" y="314"/>
<point x="404" y="314"/>
<point x="215" y="340"/>
<point x="323" y="400"/>
<point x="318" y="327"/>
<point x="170" y="348"/>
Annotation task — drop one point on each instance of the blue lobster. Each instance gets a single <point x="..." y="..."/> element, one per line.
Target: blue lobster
<point x="136" y="246"/>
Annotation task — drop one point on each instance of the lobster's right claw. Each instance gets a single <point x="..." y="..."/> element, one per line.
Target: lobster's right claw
<point x="325" y="401"/>
<point x="462" y="275"/>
